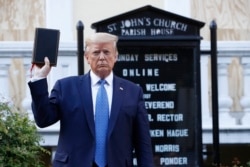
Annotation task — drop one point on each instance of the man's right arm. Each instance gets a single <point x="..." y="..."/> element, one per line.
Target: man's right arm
<point x="42" y="108"/>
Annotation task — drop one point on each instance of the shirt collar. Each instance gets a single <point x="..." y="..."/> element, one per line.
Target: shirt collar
<point x="95" y="78"/>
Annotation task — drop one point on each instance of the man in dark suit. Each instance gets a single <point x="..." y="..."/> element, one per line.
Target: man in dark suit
<point x="72" y="102"/>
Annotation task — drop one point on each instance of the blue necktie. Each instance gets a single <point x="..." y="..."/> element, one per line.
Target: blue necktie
<point x="101" y="125"/>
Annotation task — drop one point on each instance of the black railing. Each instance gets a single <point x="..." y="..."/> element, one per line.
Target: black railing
<point x="80" y="44"/>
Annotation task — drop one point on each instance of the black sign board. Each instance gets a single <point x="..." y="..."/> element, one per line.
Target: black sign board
<point x="160" y="51"/>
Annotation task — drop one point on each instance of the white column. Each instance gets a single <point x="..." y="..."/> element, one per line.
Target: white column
<point x="4" y="91"/>
<point x="26" y="103"/>
<point x="245" y="101"/>
<point x="225" y="101"/>
<point x="53" y="152"/>
<point x="205" y="94"/>
<point x="59" y="16"/>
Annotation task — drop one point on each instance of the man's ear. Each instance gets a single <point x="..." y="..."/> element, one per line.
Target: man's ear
<point x="86" y="57"/>
<point x="116" y="56"/>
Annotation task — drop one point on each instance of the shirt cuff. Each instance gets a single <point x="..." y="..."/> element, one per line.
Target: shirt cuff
<point x="34" y="79"/>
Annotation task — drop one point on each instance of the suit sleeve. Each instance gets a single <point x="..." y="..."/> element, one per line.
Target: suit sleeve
<point x="143" y="147"/>
<point x="45" y="109"/>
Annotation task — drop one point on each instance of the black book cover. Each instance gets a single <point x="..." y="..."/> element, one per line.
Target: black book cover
<point x="46" y="44"/>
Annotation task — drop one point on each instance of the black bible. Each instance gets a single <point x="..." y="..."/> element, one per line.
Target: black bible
<point x="46" y="44"/>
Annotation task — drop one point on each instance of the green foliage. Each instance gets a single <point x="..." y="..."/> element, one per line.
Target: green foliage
<point x="19" y="140"/>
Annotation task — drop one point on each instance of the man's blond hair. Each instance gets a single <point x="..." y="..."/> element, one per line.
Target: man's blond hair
<point x="101" y="37"/>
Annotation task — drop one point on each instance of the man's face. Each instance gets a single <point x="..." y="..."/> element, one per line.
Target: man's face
<point x="101" y="57"/>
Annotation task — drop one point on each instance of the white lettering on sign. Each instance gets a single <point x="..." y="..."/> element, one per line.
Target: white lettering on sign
<point x="157" y="133"/>
<point x="162" y="87"/>
<point x="150" y="119"/>
<point x="135" y="161"/>
<point x="167" y="148"/>
<point x="135" y="22"/>
<point x="177" y="133"/>
<point x="161" y="31"/>
<point x="133" y="32"/>
<point x="140" y="72"/>
<point x="143" y="25"/>
<point x="169" y="117"/>
<point x="128" y="57"/>
<point x="174" y="161"/>
<point x="146" y="96"/>
<point x="158" y="22"/>
<point x="159" y="104"/>
<point x="112" y="27"/>
<point x="168" y="57"/>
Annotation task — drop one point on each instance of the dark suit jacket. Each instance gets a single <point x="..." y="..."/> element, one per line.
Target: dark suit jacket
<point x="70" y="103"/>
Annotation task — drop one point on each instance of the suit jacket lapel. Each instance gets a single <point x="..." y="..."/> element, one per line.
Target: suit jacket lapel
<point x="86" y="96"/>
<point x="118" y="91"/>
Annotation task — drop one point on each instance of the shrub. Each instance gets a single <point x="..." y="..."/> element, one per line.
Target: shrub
<point x="19" y="140"/>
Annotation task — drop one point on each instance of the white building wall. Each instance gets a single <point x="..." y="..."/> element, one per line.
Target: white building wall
<point x="59" y="16"/>
<point x="180" y="7"/>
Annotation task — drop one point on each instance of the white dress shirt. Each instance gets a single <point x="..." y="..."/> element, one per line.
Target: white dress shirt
<point x="95" y="86"/>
